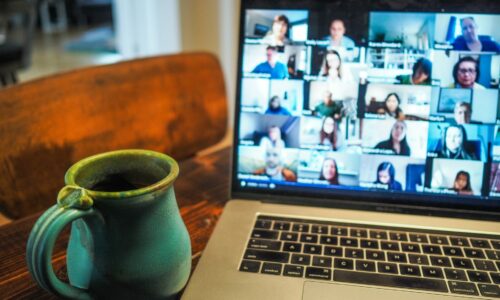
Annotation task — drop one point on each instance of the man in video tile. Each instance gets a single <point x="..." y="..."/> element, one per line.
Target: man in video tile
<point x="337" y="36"/>
<point x="328" y="107"/>
<point x="274" y="168"/>
<point x="470" y="40"/>
<point x="272" y="66"/>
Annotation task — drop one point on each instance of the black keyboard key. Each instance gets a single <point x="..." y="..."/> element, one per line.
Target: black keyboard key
<point x="419" y="238"/>
<point x="493" y="254"/>
<point x="360" y="233"/>
<point x="398" y="236"/>
<point x="391" y="246"/>
<point x="452" y="251"/>
<point x="263" y="224"/>
<point x="264" y="244"/>
<point x="289" y="236"/>
<point x="341" y="231"/>
<point x="349" y="242"/>
<point x="319" y="229"/>
<point x="455" y="274"/>
<point x="459" y="241"/>
<point x="328" y="240"/>
<point x="370" y="244"/>
<point x="250" y="266"/>
<point x="474" y="253"/>
<point x="271" y="268"/>
<point x="407" y="247"/>
<point x="293" y="271"/>
<point x="489" y="290"/>
<point x="463" y="263"/>
<point x="395" y="281"/>
<point x="292" y="247"/>
<point x="480" y="243"/>
<point x="463" y="288"/>
<point x="484" y="265"/>
<point x="318" y="273"/>
<point x="388" y="268"/>
<point x="354" y="253"/>
<point x="379" y="235"/>
<point x="431" y="249"/>
<point x="410" y="270"/>
<point x="271" y="256"/>
<point x="343" y="263"/>
<point x="309" y="238"/>
<point x="364" y="265"/>
<point x="495" y="244"/>
<point x="375" y="255"/>
<point x="312" y="249"/>
<point x="265" y="234"/>
<point x="418" y="259"/>
<point x="333" y="251"/>
<point x="300" y="227"/>
<point x="495" y="277"/>
<point x="440" y="261"/>
<point x="285" y="226"/>
<point x="396" y="257"/>
<point x="478" y="276"/>
<point x="432" y="272"/>
<point x="322" y="261"/>
<point x="301" y="259"/>
<point x="439" y="240"/>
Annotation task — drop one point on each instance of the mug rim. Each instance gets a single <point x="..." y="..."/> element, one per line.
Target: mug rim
<point x="165" y="182"/>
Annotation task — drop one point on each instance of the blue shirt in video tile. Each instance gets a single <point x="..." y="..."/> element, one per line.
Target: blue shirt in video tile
<point x="278" y="72"/>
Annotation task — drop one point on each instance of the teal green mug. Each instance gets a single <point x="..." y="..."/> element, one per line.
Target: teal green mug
<point x="127" y="238"/>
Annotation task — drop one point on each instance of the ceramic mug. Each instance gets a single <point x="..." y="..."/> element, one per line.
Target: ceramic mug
<point x="127" y="236"/>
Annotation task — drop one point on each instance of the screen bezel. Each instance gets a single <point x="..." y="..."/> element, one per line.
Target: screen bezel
<point x="446" y="205"/>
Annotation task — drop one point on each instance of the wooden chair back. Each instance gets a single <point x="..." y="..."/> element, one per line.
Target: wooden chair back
<point x="173" y="104"/>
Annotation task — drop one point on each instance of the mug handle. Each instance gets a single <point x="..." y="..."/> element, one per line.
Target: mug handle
<point x="73" y="202"/>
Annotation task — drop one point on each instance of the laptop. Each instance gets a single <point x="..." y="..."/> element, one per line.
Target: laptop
<point x="366" y="157"/>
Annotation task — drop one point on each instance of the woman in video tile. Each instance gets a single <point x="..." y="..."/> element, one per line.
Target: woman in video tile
<point x="386" y="175"/>
<point x="329" y="171"/>
<point x="470" y="39"/>
<point x="339" y="80"/>
<point x="453" y="144"/>
<point x="392" y="107"/>
<point x="466" y="73"/>
<point x="461" y="185"/>
<point x="275" y="108"/>
<point x="397" y="140"/>
<point x="328" y="133"/>
<point x="273" y="139"/>
<point x="277" y="36"/>
<point x="422" y="70"/>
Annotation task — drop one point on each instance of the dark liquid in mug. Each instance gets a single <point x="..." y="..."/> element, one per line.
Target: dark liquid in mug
<point x="119" y="183"/>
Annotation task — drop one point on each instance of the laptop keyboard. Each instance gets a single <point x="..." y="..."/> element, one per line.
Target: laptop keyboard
<point x="436" y="261"/>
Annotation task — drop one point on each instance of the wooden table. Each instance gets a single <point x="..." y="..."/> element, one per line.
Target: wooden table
<point x="202" y="190"/>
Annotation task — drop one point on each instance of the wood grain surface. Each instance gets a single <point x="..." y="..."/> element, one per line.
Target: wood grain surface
<point x="172" y="104"/>
<point x="202" y="190"/>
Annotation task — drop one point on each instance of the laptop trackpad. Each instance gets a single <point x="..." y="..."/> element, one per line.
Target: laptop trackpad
<point x="330" y="291"/>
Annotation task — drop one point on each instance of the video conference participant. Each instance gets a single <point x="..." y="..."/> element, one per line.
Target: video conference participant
<point x="273" y="139"/>
<point x="466" y="73"/>
<point x="339" y="80"/>
<point x="462" y="185"/>
<point x="277" y="36"/>
<point x="453" y="144"/>
<point x="386" y="174"/>
<point x="392" y="107"/>
<point x="470" y="40"/>
<point x="329" y="107"/>
<point x="422" y="70"/>
<point x="272" y="66"/>
<point x="274" y="168"/>
<point x="328" y="134"/>
<point x="275" y="108"/>
<point x="337" y="36"/>
<point x="329" y="171"/>
<point x="462" y="113"/>
<point x="397" y="140"/>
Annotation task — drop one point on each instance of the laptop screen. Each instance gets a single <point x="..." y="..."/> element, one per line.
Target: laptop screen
<point x="397" y="100"/>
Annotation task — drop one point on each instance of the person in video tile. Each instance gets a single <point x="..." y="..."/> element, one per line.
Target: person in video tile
<point x="453" y="141"/>
<point x="277" y="36"/>
<point x="274" y="168"/>
<point x="466" y="73"/>
<point x="422" y="70"/>
<point x="337" y="36"/>
<point x="328" y="133"/>
<point x="273" y="138"/>
<point x="462" y="112"/>
<point x="329" y="171"/>
<point x="329" y="107"/>
<point x="338" y="79"/>
<point x="461" y="185"/>
<point x="275" y="108"/>
<point x="386" y="174"/>
<point x="397" y="140"/>
<point x="392" y="108"/>
<point x="470" y="39"/>
<point x="272" y="66"/>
